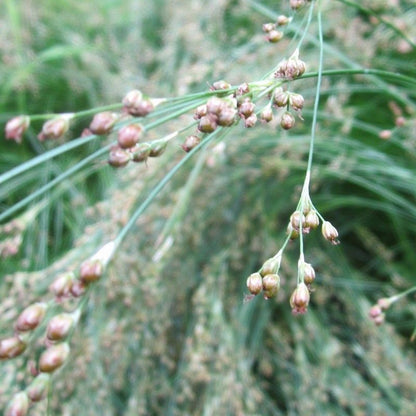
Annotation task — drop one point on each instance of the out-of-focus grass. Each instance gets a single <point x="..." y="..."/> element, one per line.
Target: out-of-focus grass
<point x="167" y="330"/>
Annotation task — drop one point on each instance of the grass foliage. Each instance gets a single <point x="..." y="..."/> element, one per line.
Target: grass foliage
<point x="167" y="330"/>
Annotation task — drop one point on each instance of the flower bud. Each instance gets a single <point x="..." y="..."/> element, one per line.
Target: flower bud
<point x="118" y="157"/>
<point x="297" y="4"/>
<point x="282" y="20"/>
<point x="329" y="232"/>
<point x="15" y="128"/>
<point x="255" y="283"/>
<point x="299" y="300"/>
<point x="221" y="85"/>
<point x="291" y="68"/>
<point x="246" y="108"/>
<point x="136" y="105"/>
<point x="312" y="220"/>
<point x="53" y="358"/>
<point x="296" y="101"/>
<point x="250" y="121"/>
<point x="274" y="36"/>
<point x="18" y="406"/>
<point x="271" y="285"/>
<point x="296" y="219"/>
<point x="140" y="152"/>
<point x="308" y="273"/>
<point x="157" y="148"/>
<point x="91" y="270"/>
<point x="280" y="98"/>
<point x="215" y="105"/>
<point x="129" y="135"/>
<point x="11" y="347"/>
<point x="190" y="142"/>
<point x="59" y="326"/>
<point x="268" y="27"/>
<point x="266" y="114"/>
<point x="61" y="286"/>
<point x="31" y="317"/>
<point x="207" y="124"/>
<point x="38" y="388"/>
<point x="200" y="111"/>
<point x="270" y="266"/>
<point x="55" y="128"/>
<point x="226" y="117"/>
<point x="287" y="121"/>
<point x="102" y="123"/>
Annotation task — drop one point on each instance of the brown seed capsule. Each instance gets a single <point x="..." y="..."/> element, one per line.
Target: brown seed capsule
<point x="53" y="358"/>
<point x="102" y="123"/>
<point x="135" y="104"/>
<point x="280" y="98"/>
<point x="312" y="220"/>
<point x="266" y="114"/>
<point x="31" y="317"/>
<point x="11" y="347"/>
<point x="215" y="105"/>
<point x="128" y="136"/>
<point x="118" y="157"/>
<point x="16" y="127"/>
<point x="190" y="142"/>
<point x="271" y="285"/>
<point x="255" y="283"/>
<point x="287" y="121"/>
<point x="291" y="68"/>
<point x="246" y="108"/>
<point x="207" y="124"/>
<point x="268" y="27"/>
<point x="282" y="20"/>
<point x="55" y="128"/>
<point x="297" y="4"/>
<point x="221" y="85"/>
<point x="91" y="271"/>
<point x="250" y="121"/>
<point x="200" y="111"/>
<point x="270" y="266"/>
<point x="294" y="234"/>
<point x="61" y="286"/>
<point x="329" y="232"/>
<point x="226" y="117"/>
<point x="308" y="273"/>
<point x="59" y="326"/>
<point x="157" y="148"/>
<point x="296" y="219"/>
<point x="274" y="36"/>
<point x="296" y="101"/>
<point x="18" y="406"/>
<point x="78" y="288"/>
<point x="38" y="388"/>
<point x="140" y="152"/>
<point x="299" y="300"/>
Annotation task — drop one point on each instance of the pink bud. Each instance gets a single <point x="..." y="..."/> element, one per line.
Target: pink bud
<point x="31" y="317"/>
<point x="299" y="300"/>
<point x="18" y="406"/>
<point x="287" y="121"/>
<point x="53" y="358"/>
<point x="90" y="271"/>
<point x="59" y="326"/>
<point x="129" y="135"/>
<point x="118" y="157"/>
<point x="329" y="232"/>
<point x="55" y="128"/>
<point x="38" y="388"/>
<point x="190" y="142"/>
<point x="102" y="123"/>
<point x="11" y="347"/>
<point x="16" y="127"/>
<point x="254" y="283"/>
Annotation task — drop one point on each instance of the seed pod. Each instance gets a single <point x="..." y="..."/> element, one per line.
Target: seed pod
<point x="31" y="317"/>
<point x="250" y="121"/>
<point x="38" y="388"/>
<point x="11" y="347"/>
<point x="312" y="220"/>
<point x="296" y="219"/>
<point x="255" y="283"/>
<point x="207" y="124"/>
<point x="246" y="108"/>
<point x="61" y="286"/>
<point x="242" y="89"/>
<point x="200" y="111"/>
<point x="308" y="273"/>
<point x="329" y="232"/>
<point x="55" y="128"/>
<point x="190" y="142"/>
<point x="78" y="288"/>
<point x="268" y="27"/>
<point x="271" y="285"/>
<point x="297" y="4"/>
<point x="215" y="105"/>
<point x="140" y="152"/>
<point x="157" y="148"/>
<point x="136" y="105"/>
<point x="385" y="303"/>
<point x="102" y="123"/>
<point x="266" y="114"/>
<point x="18" y="406"/>
<point x="53" y="358"/>
<point x="280" y="98"/>
<point x="287" y="121"/>
<point x="296" y="101"/>
<point x="274" y="36"/>
<point x="129" y="135"/>
<point x="91" y="271"/>
<point x="270" y="266"/>
<point x="294" y="234"/>
<point x="299" y="300"/>
<point x="15" y="128"/>
<point x="226" y="117"/>
<point x="118" y="157"/>
<point x="59" y="326"/>
<point x="221" y="85"/>
<point x="282" y="20"/>
<point x="291" y="68"/>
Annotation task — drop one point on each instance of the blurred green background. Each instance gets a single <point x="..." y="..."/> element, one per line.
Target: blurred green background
<point x="167" y="331"/>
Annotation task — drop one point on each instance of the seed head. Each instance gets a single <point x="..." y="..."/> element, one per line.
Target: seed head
<point x="274" y="36"/>
<point x="140" y="152"/>
<point x="385" y="303"/>
<point x="128" y="136"/>
<point x="190" y="142"/>
<point x="59" y="327"/>
<point x="55" y="128"/>
<point x="118" y="157"/>
<point x="207" y="124"/>
<point x="266" y="114"/>
<point x="221" y="85"/>
<point x="78" y="288"/>
<point x="296" y="219"/>
<point x="246" y="108"/>
<point x="299" y="300"/>
<point x="296" y="101"/>
<point x="282" y="20"/>
<point x="329" y="232"/>
<point x="268" y="27"/>
<point x="11" y="347"/>
<point x="31" y="317"/>
<point x="215" y="105"/>
<point x="226" y="117"/>
<point x="250" y="121"/>
<point x="16" y="127"/>
<point x="102" y="123"/>
<point x="297" y="4"/>
<point x="271" y="285"/>
<point x="255" y="283"/>
<point x="308" y="273"/>
<point x="292" y="232"/>
<point x="18" y="406"/>
<point x="242" y="89"/>
<point x="376" y="314"/>
<point x="61" y="286"/>
<point x="200" y="111"/>
<point x="312" y="219"/>
<point x="280" y="98"/>
<point x="291" y="68"/>
<point x="287" y="121"/>
<point x="136" y="104"/>
<point x="38" y="388"/>
<point x="53" y="358"/>
<point x="157" y="148"/>
<point x="270" y="266"/>
<point x="91" y="270"/>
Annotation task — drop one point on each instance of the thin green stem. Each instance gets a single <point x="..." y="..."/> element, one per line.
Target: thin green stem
<point x="305" y="31"/>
